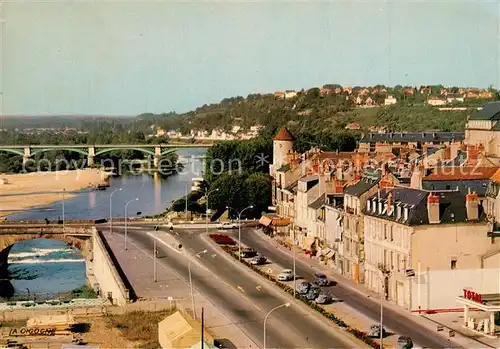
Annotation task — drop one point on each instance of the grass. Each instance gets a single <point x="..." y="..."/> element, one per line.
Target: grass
<point x="140" y="327"/>
<point x="84" y="291"/>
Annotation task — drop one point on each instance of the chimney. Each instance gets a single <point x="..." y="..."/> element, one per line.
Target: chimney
<point x="472" y="206"/>
<point x="416" y="178"/>
<point x="433" y="209"/>
<point x="389" y="202"/>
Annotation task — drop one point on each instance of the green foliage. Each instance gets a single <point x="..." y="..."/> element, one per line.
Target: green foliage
<point x="240" y="190"/>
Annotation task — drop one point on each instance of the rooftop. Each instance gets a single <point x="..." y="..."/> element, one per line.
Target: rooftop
<point x="490" y="111"/>
<point x="460" y="173"/>
<point x="360" y="187"/>
<point x="283" y="135"/>
<point x="320" y="201"/>
<point x="413" y="137"/>
<point x="451" y="206"/>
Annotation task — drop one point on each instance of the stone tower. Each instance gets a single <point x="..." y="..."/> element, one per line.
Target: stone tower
<point x="282" y="148"/>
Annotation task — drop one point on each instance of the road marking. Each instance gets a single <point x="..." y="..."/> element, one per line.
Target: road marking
<point x="152" y="235"/>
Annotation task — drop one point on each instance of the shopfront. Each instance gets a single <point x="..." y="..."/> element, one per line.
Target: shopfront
<point x="479" y="312"/>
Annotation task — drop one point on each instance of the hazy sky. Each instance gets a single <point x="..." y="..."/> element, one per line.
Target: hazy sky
<point x="125" y="58"/>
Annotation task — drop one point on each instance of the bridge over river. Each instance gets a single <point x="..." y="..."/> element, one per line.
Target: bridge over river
<point x="157" y="151"/>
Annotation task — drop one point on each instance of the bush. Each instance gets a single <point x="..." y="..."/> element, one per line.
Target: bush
<point x="222" y="239"/>
<point x="361" y="335"/>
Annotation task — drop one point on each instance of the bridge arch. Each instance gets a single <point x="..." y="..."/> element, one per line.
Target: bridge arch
<point x="168" y="151"/>
<point x="19" y="152"/>
<point x="76" y="150"/>
<point x="107" y="150"/>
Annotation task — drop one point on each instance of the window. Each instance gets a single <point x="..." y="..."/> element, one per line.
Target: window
<point x="406" y="214"/>
<point x="385" y="232"/>
<point x="374" y="206"/>
<point x="379" y="208"/>
<point x="368" y="205"/>
<point x="453" y="264"/>
<point x="398" y="212"/>
<point x="391" y="235"/>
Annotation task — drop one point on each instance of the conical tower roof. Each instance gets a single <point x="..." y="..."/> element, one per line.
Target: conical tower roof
<point x="283" y="135"/>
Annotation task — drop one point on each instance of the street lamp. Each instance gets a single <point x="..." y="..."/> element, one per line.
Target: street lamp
<point x="63" y="202"/>
<point x="206" y="197"/>
<point x="186" y="208"/>
<point x="191" y="281"/>
<point x="110" y="209"/>
<point x="267" y="315"/>
<point x="239" y="226"/>
<point x="126" y="206"/>
<point x="382" y="292"/>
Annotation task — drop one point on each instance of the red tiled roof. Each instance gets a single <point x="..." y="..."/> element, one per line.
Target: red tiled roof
<point x="461" y="173"/>
<point x="283" y="135"/>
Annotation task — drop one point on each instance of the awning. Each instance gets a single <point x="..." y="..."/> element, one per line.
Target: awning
<point x="280" y="222"/>
<point x="265" y="221"/>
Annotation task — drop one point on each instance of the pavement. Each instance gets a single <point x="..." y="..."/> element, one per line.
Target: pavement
<point x="360" y="300"/>
<point x="235" y="293"/>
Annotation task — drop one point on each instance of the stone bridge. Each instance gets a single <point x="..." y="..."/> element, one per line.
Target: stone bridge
<point x="78" y="237"/>
<point x="92" y="150"/>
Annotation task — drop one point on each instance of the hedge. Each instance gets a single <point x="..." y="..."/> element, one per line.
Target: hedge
<point x="330" y="316"/>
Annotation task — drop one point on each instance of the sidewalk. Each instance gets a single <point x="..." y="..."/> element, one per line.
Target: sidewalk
<point x="460" y="339"/>
<point x="137" y="264"/>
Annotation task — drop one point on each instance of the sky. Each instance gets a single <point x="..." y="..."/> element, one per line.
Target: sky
<point x="126" y="58"/>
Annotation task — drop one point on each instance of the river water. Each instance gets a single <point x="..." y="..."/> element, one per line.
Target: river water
<point x="46" y="267"/>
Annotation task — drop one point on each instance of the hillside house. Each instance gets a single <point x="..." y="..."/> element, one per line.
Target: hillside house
<point x="390" y="100"/>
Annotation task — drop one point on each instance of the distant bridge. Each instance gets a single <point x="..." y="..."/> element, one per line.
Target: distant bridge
<point x="92" y="150"/>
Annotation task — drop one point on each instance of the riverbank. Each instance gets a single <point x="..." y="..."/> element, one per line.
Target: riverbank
<point x="21" y="192"/>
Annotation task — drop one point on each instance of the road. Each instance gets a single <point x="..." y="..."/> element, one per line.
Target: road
<point x="371" y="308"/>
<point x="243" y="294"/>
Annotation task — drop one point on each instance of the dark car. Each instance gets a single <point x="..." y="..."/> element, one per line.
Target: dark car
<point x="321" y="279"/>
<point x="258" y="260"/>
<point x="404" y="342"/>
<point x="248" y="253"/>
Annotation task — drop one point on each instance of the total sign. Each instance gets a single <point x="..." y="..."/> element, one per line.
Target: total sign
<point x="473" y="296"/>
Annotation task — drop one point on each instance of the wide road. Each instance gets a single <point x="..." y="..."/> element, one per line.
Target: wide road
<point x="245" y="295"/>
<point x="367" y="306"/>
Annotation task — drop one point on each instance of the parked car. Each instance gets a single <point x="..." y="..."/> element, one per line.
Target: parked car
<point x="404" y="342"/>
<point x="285" y="275"/>
<point x="228" y="225"/>
<point x="323" y="298"/>
<point x="321" y="279"/>
<point x="375" y="331"/>
<point x="313" y="292"/>
<point x="303" y="287"/>
<point x="248" y="253"/>
<point x="258" y="260"/>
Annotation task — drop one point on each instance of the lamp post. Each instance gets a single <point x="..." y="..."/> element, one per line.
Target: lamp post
<point x="206" y="197"/>
<point x="63" y="202"/>
<point x="239" y="226"/>
<point x="267" y="315"/>
<point x="126" y="206"/>
<point x="382" y="292"/>
<point x="191" y="281"/>
<point x="186" y="208"/>
<point x="111" y="210"/>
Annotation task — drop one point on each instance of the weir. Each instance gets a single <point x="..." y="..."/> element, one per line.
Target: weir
<point x="101" y="272"/>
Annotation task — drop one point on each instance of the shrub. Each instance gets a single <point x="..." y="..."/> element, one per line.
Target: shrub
<point x="222" y="239"/>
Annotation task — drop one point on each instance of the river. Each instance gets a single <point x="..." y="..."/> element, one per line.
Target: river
<point x="46" y="267"/>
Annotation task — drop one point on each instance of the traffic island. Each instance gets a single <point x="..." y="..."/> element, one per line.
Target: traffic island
<point x="228" y="244"/>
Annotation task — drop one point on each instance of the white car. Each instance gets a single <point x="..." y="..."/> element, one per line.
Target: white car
<point x="285" y="275"/>
<point x="228" y="225"/>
